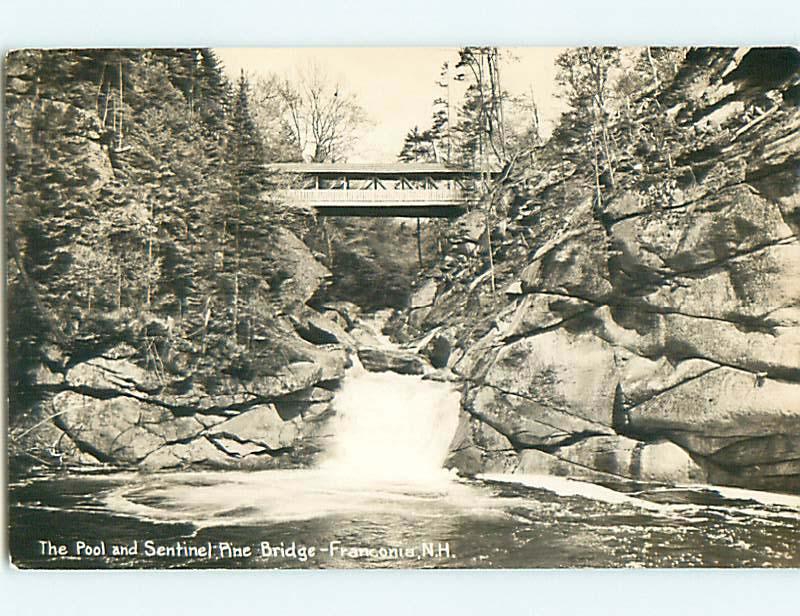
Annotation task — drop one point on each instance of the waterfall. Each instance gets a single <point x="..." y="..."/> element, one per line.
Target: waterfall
<point x="391" y="426"/>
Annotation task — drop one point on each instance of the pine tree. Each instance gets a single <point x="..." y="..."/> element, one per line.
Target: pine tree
<point x="418" y="147"/>
<point x="247" y="219"/>
<point x="53" y="182"/>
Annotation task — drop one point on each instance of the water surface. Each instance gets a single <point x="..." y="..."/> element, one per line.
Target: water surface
<point x="380" y="498"/>
<point x="466" y="523"/>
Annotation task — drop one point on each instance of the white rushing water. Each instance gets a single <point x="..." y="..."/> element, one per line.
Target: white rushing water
<point x="391" y="426"/>
<point x="391" y="435"/>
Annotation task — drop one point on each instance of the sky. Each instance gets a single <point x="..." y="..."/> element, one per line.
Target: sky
<point x="397" y="86"/>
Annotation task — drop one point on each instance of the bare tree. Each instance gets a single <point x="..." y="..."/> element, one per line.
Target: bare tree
<point x="584" y="71"/>
<point x="321" y="116"/>
<point x="270" y="114"/>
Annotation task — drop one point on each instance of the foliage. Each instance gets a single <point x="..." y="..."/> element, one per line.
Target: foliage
<point x="373" y="261"/>
<point x="418" y="147"/>
<point x="135" y="210"/>
<point x="320" y="115"/>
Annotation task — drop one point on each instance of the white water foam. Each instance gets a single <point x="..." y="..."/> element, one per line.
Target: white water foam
<point x="765" y="498"/>
<point x="391" y="435"/>
<point x="571" y="487"/>
<point x="260" y="497"/>
<point x="391" y="426"/>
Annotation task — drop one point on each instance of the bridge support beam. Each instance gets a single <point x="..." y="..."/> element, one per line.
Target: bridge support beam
<point x="383" y="211"/>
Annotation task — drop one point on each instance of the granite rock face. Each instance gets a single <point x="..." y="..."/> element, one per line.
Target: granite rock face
<point x="110" y="411"/>
<point x="391" y="360"/>
<point x="658" y="340"/>
<point x="114" y="409"/>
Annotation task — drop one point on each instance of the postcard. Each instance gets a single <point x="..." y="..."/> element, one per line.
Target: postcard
<point x="471" y="307"/>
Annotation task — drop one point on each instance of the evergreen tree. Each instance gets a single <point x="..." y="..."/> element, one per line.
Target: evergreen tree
<point x="247" y="219"/>
<point x="418" y="147"/>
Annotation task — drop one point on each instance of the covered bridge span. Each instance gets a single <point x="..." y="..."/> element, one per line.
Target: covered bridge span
<point x="396" y="189"/>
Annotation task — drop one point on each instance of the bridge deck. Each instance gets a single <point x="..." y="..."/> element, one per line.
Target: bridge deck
<point x="387" y="202"/>
<point x="397" y="189"/>
<point x="373" y="169"/>
<point x="355" y="198"/>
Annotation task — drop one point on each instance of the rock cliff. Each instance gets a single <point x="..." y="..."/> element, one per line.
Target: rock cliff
<point x="115" y="409"/>
<point x="658" y="337"/>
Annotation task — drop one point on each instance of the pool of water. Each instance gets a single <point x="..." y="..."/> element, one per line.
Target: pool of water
<point x="324" y="519"/>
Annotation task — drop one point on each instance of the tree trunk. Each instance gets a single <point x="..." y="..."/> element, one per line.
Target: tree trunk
<point x="119" y="287"/>
<point x="419" y="244"/>
<point x="236" y="266"/>
<point x="150" y="253"/>
<point x="599" y="204"/>
<point x="488" y="229"/>
<point x="328" y="244"/>
<point x="236" y="306"/>
<point x="652" y="67"/>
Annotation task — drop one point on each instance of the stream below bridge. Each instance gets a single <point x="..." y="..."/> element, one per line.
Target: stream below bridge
<point x="380" y="498"/>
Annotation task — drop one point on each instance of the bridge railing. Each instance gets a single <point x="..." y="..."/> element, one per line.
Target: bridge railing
<point x="369" y="196"/>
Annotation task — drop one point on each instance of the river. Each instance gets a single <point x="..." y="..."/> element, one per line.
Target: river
<point x="380" y="498"/>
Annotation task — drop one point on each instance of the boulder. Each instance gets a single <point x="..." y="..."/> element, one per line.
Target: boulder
<point x="470" y="227"/>
<point x="365" y="336"/>
<point x="573" y="264"/>
<point x="722" y="403"/>
<point x="305" y="273"/>
<point x="529" y="421"/>
<point x="571" y="374"/>
<point x="751" y="346"/>
<point x="514" y="288"/>
<point x="348" y="311"/>
<point x="121" y="429"/>
<point x="111" y="374"/>
<point x="770" y="449"/>
<point x="197" y="452"/>
<point x="337" y="318"/>
<point x="756" y="287"/>
<point x="294" y="377"/>
<point x="471" y="431"/>
<point x="421" y="302"/>
<point x="538" y="311"/>
<point x="776" y="352"/>
<point x="319" y="329"/>
<point x="208" y="405"/>
<point x="626" y="204"/>
<point x="606" y="457"/>
<point x="331" y="359"/>
<point x="309" y="401"/>
<point x="261" y="426"/>
<point x="724" y="224"/>
<point x="238" y="449"/>
<point x="631" y="328"/>
<point x="437" y="350"/>
<point x="477" y="448"/>
<point x="383" y="360"/>
<point x="333" y="362"/>
<point x="123" y="350"/>
<point x="536" y="462"/>
<point x="416" y="317"/>
<point x="424" y="296"/>
<point x="642" y="379"/>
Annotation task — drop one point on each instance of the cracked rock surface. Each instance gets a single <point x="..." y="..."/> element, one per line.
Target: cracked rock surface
<point x="652" y="341"/>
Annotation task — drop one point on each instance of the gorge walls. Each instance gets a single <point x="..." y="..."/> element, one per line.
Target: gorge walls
<point x="656" y="337"/>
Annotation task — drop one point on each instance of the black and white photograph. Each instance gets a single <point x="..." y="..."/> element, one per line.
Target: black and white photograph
<point x="469" y="307"/>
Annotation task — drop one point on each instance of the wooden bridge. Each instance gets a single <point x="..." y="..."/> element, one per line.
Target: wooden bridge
<point x="417" y="190"/>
